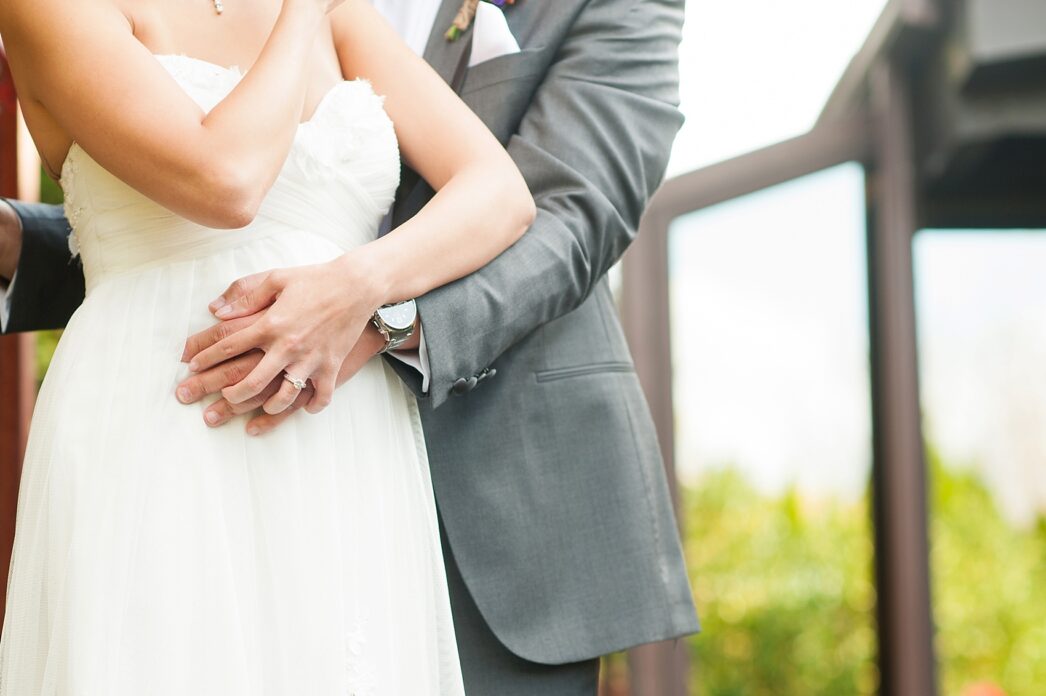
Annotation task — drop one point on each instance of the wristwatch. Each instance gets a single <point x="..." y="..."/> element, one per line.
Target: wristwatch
<point x="396" y="323"/>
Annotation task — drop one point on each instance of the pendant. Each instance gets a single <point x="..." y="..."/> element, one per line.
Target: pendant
<point x="219" y="7"/>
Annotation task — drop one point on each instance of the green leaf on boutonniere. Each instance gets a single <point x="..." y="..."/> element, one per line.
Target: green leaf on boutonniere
<point x="467" y="14"/>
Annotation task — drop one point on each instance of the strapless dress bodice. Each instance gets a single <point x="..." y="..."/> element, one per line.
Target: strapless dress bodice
<point x="338" y="182"/>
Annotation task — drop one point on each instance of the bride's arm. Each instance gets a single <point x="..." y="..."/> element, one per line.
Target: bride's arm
<point x="80" y="70"/>
<point x="482" y="205"/>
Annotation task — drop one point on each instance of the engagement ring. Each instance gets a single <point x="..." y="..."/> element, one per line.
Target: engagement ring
<point x="298" y="384"/>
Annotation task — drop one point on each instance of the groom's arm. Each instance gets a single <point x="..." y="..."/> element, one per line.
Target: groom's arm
<point x="593" y="147"/>
<point x="49" y="284"/>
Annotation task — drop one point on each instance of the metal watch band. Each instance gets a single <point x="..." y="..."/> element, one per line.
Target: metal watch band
<point x="394" y="337"/>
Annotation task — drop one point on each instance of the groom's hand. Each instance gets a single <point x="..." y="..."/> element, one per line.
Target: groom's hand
<point x="10" y="242"/>
<point x="232" y="371"/>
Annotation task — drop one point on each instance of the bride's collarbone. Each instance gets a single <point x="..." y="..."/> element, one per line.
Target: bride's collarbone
<point x="194" y="28"/>
<point x="241" y="25"/>
<point x="233" y="39"/>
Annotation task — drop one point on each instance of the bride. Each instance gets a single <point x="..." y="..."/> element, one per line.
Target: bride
<point x="154" y="556"/>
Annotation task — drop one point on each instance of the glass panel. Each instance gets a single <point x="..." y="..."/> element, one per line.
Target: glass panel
<point x="773" y="437"/>
<point x="981" y="300"/>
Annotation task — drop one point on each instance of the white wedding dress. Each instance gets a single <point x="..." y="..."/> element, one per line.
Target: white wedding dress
<point x="156" y="557"/>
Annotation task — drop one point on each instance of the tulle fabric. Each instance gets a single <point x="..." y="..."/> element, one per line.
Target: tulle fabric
<point x="156" y="557"/>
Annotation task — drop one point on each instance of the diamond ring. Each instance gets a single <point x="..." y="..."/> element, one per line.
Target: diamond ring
<point x="298" y="384"/>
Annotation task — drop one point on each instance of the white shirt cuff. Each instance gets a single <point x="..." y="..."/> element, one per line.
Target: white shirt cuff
<point x="418" y="359"/>
<point x="5" y="303"/>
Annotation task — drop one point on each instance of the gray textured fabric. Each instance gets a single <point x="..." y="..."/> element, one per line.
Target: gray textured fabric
<point x="548" y="474"/>
<point x="490" y="669"/>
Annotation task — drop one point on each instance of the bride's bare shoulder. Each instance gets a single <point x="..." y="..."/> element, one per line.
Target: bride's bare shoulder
<point x="46" y="39"/>
<point x="35" y="22"/>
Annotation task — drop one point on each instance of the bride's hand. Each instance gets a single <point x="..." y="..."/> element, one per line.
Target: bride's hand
<point x="317" y="316"/>
<point x="232" y="371"/>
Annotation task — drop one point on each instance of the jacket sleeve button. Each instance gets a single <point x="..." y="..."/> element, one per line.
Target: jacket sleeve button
<point x="472" y="383"/>
<point x="460" y="387"/>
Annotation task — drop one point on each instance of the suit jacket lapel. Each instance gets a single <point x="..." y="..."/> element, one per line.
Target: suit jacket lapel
<point x="445" y="56"/>
<point x="449" y="59"/>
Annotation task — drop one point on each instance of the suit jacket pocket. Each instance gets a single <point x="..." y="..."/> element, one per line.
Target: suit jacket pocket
<point x="559" y="373"/>
<point x="503" y="68"/>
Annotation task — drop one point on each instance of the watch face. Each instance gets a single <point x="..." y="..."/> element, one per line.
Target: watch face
<point x="400" y="316"/>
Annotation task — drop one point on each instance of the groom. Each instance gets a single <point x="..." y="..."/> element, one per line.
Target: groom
<point x="558" y="530"/>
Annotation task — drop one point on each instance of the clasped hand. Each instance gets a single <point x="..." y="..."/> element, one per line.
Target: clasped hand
<point x="310" y="323"/>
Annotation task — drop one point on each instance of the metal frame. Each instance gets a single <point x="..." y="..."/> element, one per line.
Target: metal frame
<point x="907" y="662"/>
<point x="882" y="143"/>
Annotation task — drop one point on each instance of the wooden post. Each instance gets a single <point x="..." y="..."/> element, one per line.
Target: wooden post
<point x="17" y="383"/>
<point x="906" y="650"/>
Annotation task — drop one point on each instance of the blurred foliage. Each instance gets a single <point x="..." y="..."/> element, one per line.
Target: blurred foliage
<point x="50" y="191"/>
<point x="989" y="591"/>
<point x="46" y="342"/>
<point x="784" y="589"/>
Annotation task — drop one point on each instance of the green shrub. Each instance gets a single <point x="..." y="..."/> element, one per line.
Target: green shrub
<point x="784" y="588"/>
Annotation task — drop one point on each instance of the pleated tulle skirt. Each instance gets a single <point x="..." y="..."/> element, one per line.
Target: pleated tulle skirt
<point x="154" y="556"/>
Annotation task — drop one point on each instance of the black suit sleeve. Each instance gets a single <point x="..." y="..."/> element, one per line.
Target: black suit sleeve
<point x="49" y="285"/>
<point x="593" y="145"/>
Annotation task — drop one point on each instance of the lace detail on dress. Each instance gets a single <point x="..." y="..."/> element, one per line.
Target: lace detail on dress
<point x="366" y="139"/>
<point x="73" y="212"/>
<point x="359" y="671"/>
<point x="351" y="103"/>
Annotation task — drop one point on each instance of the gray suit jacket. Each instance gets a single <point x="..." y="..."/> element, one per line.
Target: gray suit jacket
<point x="544" y="457"/>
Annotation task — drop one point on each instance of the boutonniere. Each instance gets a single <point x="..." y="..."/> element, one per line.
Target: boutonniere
<point x="467" y="14"/>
